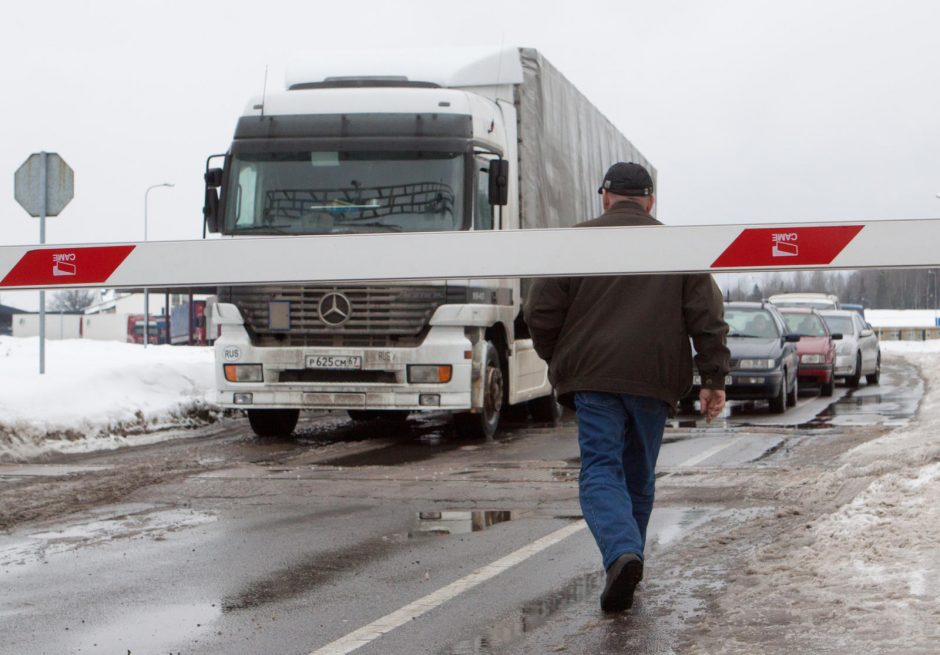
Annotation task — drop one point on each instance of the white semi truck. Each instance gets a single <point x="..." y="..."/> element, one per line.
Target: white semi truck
<point x="401" y="141"/>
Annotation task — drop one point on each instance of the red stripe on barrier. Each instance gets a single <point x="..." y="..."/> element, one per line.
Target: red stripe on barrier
<point x="787" y="246"/>
<point x="66" y="266"/>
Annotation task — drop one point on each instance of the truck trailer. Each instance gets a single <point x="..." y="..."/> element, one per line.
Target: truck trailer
<point x="400" y="141"/>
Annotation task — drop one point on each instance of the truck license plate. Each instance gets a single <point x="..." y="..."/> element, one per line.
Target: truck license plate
<point x="336" y="362"/>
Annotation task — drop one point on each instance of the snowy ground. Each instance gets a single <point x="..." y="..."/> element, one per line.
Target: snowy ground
<point x="97" y="395"/>
<point x="861" y="571"/>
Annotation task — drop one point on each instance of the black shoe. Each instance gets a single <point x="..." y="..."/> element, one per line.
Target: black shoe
<point x="622" y="578"/>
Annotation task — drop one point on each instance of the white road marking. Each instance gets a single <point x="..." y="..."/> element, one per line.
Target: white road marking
<point x="371" y="632"/>
<point x="711" y="452"/>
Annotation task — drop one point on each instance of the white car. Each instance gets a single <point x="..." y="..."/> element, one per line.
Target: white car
<point x="817" y="301"/>
<point x="858" y="353"/>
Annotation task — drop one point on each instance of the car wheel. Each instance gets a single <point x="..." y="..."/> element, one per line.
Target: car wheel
<point x="778" y="404"/>
<point x="483" y="424"/>
<point x="875" y="378"/>
<point x="856" y="377"/>
<point x="828" y="388"/>
<point x="273" y="422"/>
<point x="546" y="409"/>
<point x="791" y="397"/>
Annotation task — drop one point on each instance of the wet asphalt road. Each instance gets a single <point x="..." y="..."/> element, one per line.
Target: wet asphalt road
<point x="290" y="546"/>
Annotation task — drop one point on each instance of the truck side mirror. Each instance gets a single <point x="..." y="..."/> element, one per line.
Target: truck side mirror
<point x="499" y="182"/>
<point x="210" y="210"/>
<point x="836" y="336"/>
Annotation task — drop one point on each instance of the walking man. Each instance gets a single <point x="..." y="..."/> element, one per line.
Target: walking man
<point x="618" y="352"/>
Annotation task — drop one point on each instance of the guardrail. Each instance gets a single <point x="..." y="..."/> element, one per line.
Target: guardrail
<point x="907" y="333"/>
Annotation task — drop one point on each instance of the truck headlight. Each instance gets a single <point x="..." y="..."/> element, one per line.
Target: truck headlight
<point x="429" y="374"/>
<point x="757" y="364"/>
<point x="243" y="372"/>
<point x="813" y="359"/>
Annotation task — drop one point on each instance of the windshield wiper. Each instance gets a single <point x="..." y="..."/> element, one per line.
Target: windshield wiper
<point x="355" y="227"/>
<point x="746" y="336"/>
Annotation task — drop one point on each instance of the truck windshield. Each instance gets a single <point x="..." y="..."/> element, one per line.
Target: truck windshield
<point x="323" y="192"/>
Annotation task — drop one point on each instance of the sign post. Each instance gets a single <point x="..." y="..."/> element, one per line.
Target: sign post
<point x="43" y="185"/>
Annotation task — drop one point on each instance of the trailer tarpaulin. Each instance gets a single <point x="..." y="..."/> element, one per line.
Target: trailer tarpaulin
<point x="566" y="146"/>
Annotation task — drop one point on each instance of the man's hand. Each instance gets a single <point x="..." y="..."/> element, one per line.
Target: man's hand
<point x="712" y="402"/>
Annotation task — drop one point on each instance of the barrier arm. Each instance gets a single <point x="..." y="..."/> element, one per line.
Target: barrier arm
<point x="434" y="255"/>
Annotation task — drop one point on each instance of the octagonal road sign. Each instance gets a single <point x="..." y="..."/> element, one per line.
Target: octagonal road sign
<point x="60" y="184"/>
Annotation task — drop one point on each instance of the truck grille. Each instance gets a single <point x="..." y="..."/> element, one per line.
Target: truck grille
<point x="378" y="316"/>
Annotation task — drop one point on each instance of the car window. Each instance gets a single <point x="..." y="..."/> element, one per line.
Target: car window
<point x="841" y="324"/>
<point x="751" y="323"/>
<point x="807" y="325"/>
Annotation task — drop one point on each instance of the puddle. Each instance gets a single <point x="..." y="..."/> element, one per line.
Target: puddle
<point x="321" y="568"/>
<point x="892" y="406"/>
<point x="307" y="573"/>
<point x="150" y="629"/>
<point x="439" y="524"/>
<point x="531" y="616"/>
<point x="667" y="525"/>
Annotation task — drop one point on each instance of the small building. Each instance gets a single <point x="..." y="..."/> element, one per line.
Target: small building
<point x="6" y="319"/>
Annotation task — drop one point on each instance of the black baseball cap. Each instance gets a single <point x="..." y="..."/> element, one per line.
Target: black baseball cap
<point x="627" y="179"/>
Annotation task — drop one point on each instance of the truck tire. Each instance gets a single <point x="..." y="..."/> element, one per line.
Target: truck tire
<point x="483" y="424"/>
<point x="546" y="409"/>
<point x="273" y="422"/>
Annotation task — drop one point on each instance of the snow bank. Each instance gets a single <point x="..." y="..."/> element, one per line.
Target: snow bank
<point x="96" y="393"/>
<point x="864" y="577"/>
<point x="902" y="317"/>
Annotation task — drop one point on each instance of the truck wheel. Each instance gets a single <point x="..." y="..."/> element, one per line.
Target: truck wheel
<point x="875" y="378"/>
<point x="856" y="377"/>
<point x="546" y="409"/>
<point x="273" y="422"/>
<point x="778" y="404"/>
<point x="483" y="424"/>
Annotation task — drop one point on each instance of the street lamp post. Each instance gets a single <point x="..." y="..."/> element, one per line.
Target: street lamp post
<point x="147" y="291"/>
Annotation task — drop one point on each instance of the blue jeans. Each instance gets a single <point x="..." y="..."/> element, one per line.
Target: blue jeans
<point x="620" y="436"/>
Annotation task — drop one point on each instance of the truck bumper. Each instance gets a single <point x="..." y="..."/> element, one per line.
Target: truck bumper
<point x="381" y="384"/>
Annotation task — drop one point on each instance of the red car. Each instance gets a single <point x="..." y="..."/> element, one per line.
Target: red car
<point x="815" y="348"/>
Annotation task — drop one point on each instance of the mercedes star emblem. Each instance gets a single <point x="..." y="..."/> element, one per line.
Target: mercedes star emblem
<point x="334" y="308"/>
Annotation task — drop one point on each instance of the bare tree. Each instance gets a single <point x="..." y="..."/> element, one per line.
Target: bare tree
<point x="71" y="301"/>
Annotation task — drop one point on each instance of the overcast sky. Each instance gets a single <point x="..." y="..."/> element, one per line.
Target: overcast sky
<point x="751" y="111"/>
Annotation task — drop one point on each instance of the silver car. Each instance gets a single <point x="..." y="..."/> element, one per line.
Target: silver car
<point x="858" y="353"/>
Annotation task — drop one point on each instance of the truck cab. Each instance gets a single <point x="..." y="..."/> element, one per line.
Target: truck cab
<point x="401" y="142"/>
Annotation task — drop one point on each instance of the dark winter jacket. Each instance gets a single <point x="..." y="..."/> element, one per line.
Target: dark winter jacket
<point x="628" y="334"/>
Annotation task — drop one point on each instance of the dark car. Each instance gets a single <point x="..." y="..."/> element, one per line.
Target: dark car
<point x="816" y="348"/>
<point x="764" y="364"/>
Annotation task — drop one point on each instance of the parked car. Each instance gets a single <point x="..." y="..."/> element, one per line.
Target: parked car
<point x="859" y="352"/>
<point x="816" y="347"/>
<point x="764" y="364"/>
<point x="811" y="300"/>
